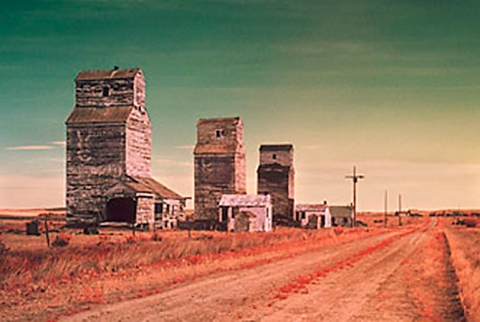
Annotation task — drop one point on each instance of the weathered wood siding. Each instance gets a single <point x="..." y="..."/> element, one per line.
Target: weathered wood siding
<point x="121" y="92"/>
<point x="173" y="211"/>
<point x="145" y="210"/>
<point x="102" y="148"/>
<point x="138" y="144"/>
<point x="219" y="164"/>
<point x="276" y="175"/>
<point x="95" y="162"/>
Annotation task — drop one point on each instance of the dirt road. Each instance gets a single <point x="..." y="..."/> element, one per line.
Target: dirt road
<point x="399" y="276"/>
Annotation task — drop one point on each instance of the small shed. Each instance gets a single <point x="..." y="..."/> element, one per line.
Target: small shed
<point x="144" y="201"/>
<point x="169" y="205"/>
<point x="313" y="216"/>
<point x="246" y="212"/>
<point x="342" y="216"/>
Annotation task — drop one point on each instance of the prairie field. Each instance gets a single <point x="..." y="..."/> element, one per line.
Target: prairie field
<point x="86" y="273"/>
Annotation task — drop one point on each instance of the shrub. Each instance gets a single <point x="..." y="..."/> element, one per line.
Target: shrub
<point x="470" y="222"/>
<point x="156" y="237"/>
<point x="338" y="230"/>
<point x="3" y="247"/>
<point x="61" y="240"/>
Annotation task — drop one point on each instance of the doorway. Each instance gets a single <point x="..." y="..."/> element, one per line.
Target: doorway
<point x="121" y="210"/>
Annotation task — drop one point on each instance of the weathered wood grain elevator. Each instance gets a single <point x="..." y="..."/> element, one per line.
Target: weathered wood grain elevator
<point x="219" y="164"/>
<point x="276" y="175"/>
<point x="109" y="151"/>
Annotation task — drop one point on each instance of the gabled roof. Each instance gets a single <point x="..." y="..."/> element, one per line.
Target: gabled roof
<point x="311" y="207"/>
<point x="245" y="200"/>
<point x="341" y="211"/>
<point x="82" y="115"/>
<point x="226" y="120"/>
<point x="107" y="74"/>
<point x="138" y="187"/>
<point x="156" y="187"/>
<point x="129" y="188"/>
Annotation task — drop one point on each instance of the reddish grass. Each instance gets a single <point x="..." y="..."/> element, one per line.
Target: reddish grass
<point x="115" y="266"/>
<point x="465" y="255"/>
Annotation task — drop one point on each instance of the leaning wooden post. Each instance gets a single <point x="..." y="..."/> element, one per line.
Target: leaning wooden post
<point x="46" y="233"/>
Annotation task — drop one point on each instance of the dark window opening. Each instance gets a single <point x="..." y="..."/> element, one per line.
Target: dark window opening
<point x="159" y="208"/>
<point x="233" y="213"/>
<point x="224" y="214"/>
<point x="219" y="133"/>
<point x="106" y="92"/>
<point x="274" y="156"/>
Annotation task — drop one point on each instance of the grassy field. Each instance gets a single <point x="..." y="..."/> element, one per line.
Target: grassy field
<point x="114" y="265"/>
<point x="464" y="246"/>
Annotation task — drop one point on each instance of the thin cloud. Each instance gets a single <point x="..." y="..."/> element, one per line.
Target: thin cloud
<point x="184" y="147"/>
<point x="61" y="143"/>
<point x="30" y="148"/>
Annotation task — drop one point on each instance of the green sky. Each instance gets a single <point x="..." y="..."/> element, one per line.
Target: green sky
<point x="389" y="86"/>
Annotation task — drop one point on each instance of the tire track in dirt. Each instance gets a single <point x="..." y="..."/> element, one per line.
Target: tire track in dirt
<point x="343" y="294"/>
<point x="379" y="288"/>
<point x="233" y="295"/>
<point x="373" y="283"/>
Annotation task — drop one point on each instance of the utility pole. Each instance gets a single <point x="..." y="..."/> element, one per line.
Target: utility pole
<point x="355" y="179"/>
<point x="399" y="210"/>
<point x="386" y="209"/>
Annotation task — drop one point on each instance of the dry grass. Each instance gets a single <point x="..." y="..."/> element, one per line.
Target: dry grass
<point x="114" y="266"/>
<point x="465" y="254"/>
<point x="376" y="220"/>
<point x="109" y="268"/>
<point x="29" y="260"/>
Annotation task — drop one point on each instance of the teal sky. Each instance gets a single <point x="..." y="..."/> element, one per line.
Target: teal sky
<point x="392" y="86"/>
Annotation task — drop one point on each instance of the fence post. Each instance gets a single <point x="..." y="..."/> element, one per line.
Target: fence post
<point x="46" y="233"/>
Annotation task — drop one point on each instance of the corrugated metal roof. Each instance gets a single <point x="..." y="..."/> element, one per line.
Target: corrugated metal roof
<point x="245" y="200"/>
<point x="158" y="188"/>
<point x="214" y="148"/>
<point x="82" y="115"/>
<point x="341" y="211"/>
<point x="311" y="207"/>
<point x="107" y="74"/>
<point x="276" y="147"/>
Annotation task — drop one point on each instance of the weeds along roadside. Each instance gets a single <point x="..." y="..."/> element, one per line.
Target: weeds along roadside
<point x="465" y="255"/>
<point x="105" y="254"/>
<point x="111" y="269"/>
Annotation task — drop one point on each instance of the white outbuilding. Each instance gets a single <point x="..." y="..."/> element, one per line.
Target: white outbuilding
<point x="251" y="213"/>
<point x="313" y="216"/>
